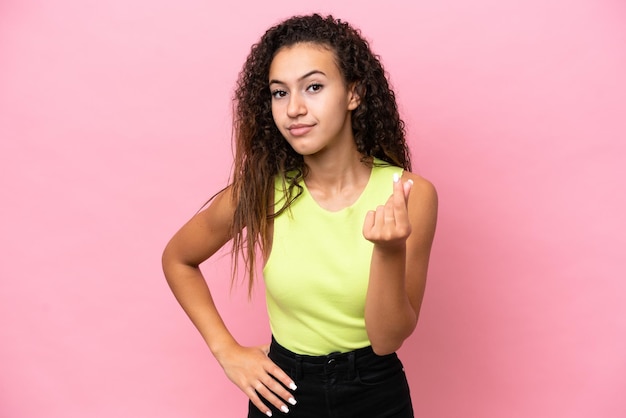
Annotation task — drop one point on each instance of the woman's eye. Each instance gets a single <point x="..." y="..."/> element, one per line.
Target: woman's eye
<point x="277" y="94"/>
<point x="315" y="87"/>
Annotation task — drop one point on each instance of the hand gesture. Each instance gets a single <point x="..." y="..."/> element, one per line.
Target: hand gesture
<point x="389" y="226"/>
<point x="255" y="374"/>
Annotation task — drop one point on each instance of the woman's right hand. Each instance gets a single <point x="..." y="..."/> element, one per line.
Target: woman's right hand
<point x="255" y="374"/>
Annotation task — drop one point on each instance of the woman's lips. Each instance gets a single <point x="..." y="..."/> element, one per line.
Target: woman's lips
<point x="299" y="130"/>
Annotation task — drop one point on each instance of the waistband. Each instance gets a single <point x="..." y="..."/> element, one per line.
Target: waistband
<point x="323" y="359"/>
<point x="300" y="365"/>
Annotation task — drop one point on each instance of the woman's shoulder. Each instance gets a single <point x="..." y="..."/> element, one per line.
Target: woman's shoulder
<point x="420" y="183"/>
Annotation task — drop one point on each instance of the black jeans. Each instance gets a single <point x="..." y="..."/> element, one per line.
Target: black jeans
<point x="357" y="384"/>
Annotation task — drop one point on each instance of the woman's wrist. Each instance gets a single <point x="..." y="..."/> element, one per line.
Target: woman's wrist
<point x="222" y="348"/>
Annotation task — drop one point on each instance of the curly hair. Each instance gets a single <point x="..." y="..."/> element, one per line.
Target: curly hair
<point x="262" y="153"/>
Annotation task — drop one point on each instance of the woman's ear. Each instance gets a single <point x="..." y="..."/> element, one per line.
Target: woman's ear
<point x="356" y="92"/>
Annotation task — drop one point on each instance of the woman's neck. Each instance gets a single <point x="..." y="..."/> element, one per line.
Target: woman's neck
<point x="337" y="182"/>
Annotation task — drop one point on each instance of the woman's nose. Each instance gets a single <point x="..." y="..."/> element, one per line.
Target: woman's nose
<point x="296" y="106"/>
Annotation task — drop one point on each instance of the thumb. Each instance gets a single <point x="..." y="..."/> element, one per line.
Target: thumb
<point x="407" y="188"/>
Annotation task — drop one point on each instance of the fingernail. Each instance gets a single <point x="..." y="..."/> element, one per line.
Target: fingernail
<point x="293" y="386"/>
<point x="284" y="409"/>
<point x="268" y="413"/>
<point x="410" y="182"/>
<point x="396" y="178"/>
<point x="292" y="401"/>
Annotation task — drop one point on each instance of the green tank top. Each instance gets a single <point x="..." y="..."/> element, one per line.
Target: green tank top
<point x="317" y="274"/>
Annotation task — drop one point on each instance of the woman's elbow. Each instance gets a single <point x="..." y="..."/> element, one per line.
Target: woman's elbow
<point x="391" y="343"/>
<point x="381" y="349"/>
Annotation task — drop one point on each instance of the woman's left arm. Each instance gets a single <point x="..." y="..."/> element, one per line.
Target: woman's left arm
<point x="402" y="231"/>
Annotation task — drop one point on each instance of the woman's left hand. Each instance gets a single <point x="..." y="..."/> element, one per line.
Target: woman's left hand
<point x="389" y="226"/>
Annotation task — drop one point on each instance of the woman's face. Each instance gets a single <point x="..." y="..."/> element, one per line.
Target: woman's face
<point x="311" y="103"/>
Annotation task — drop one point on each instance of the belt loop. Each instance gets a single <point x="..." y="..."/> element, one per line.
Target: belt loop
<point x="298" y="367"/>
<point x="351" y="365"/>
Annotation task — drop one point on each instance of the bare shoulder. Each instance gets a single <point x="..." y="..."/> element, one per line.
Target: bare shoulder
<point x="423" y="192"/>
<point x="205" y="233"/>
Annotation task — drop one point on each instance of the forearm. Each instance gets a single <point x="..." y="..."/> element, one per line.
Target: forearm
<point x="191" y="291"/>
<point x="389" y="316"/>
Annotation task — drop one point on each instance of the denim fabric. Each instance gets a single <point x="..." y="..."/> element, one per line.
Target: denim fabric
<point x="357" y="384"/>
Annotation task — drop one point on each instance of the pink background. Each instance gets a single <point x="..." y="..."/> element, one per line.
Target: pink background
<point x="115" y="128"/>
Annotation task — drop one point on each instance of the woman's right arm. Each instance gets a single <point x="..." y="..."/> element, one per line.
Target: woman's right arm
<point x="200" y="238"/>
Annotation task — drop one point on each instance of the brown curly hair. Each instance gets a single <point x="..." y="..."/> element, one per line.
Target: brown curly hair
<point x="262" y="153"/>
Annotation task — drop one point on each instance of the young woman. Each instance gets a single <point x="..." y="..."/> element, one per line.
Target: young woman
<point x="322" y="195"/>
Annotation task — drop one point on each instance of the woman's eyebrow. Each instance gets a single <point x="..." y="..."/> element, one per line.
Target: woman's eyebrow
<point x="310" y="73"/>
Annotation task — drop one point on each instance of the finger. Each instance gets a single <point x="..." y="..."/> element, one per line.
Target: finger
<point x="407" y="189"/>
<point x="398" y="195"/>
<point x="283" y="378"/>
<point x="276" y="394"/>
<point x="256" y="401"/>
<point x="379" y="218"/>
<point x="389" y="217"/>
<point x="264" y="389"/>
